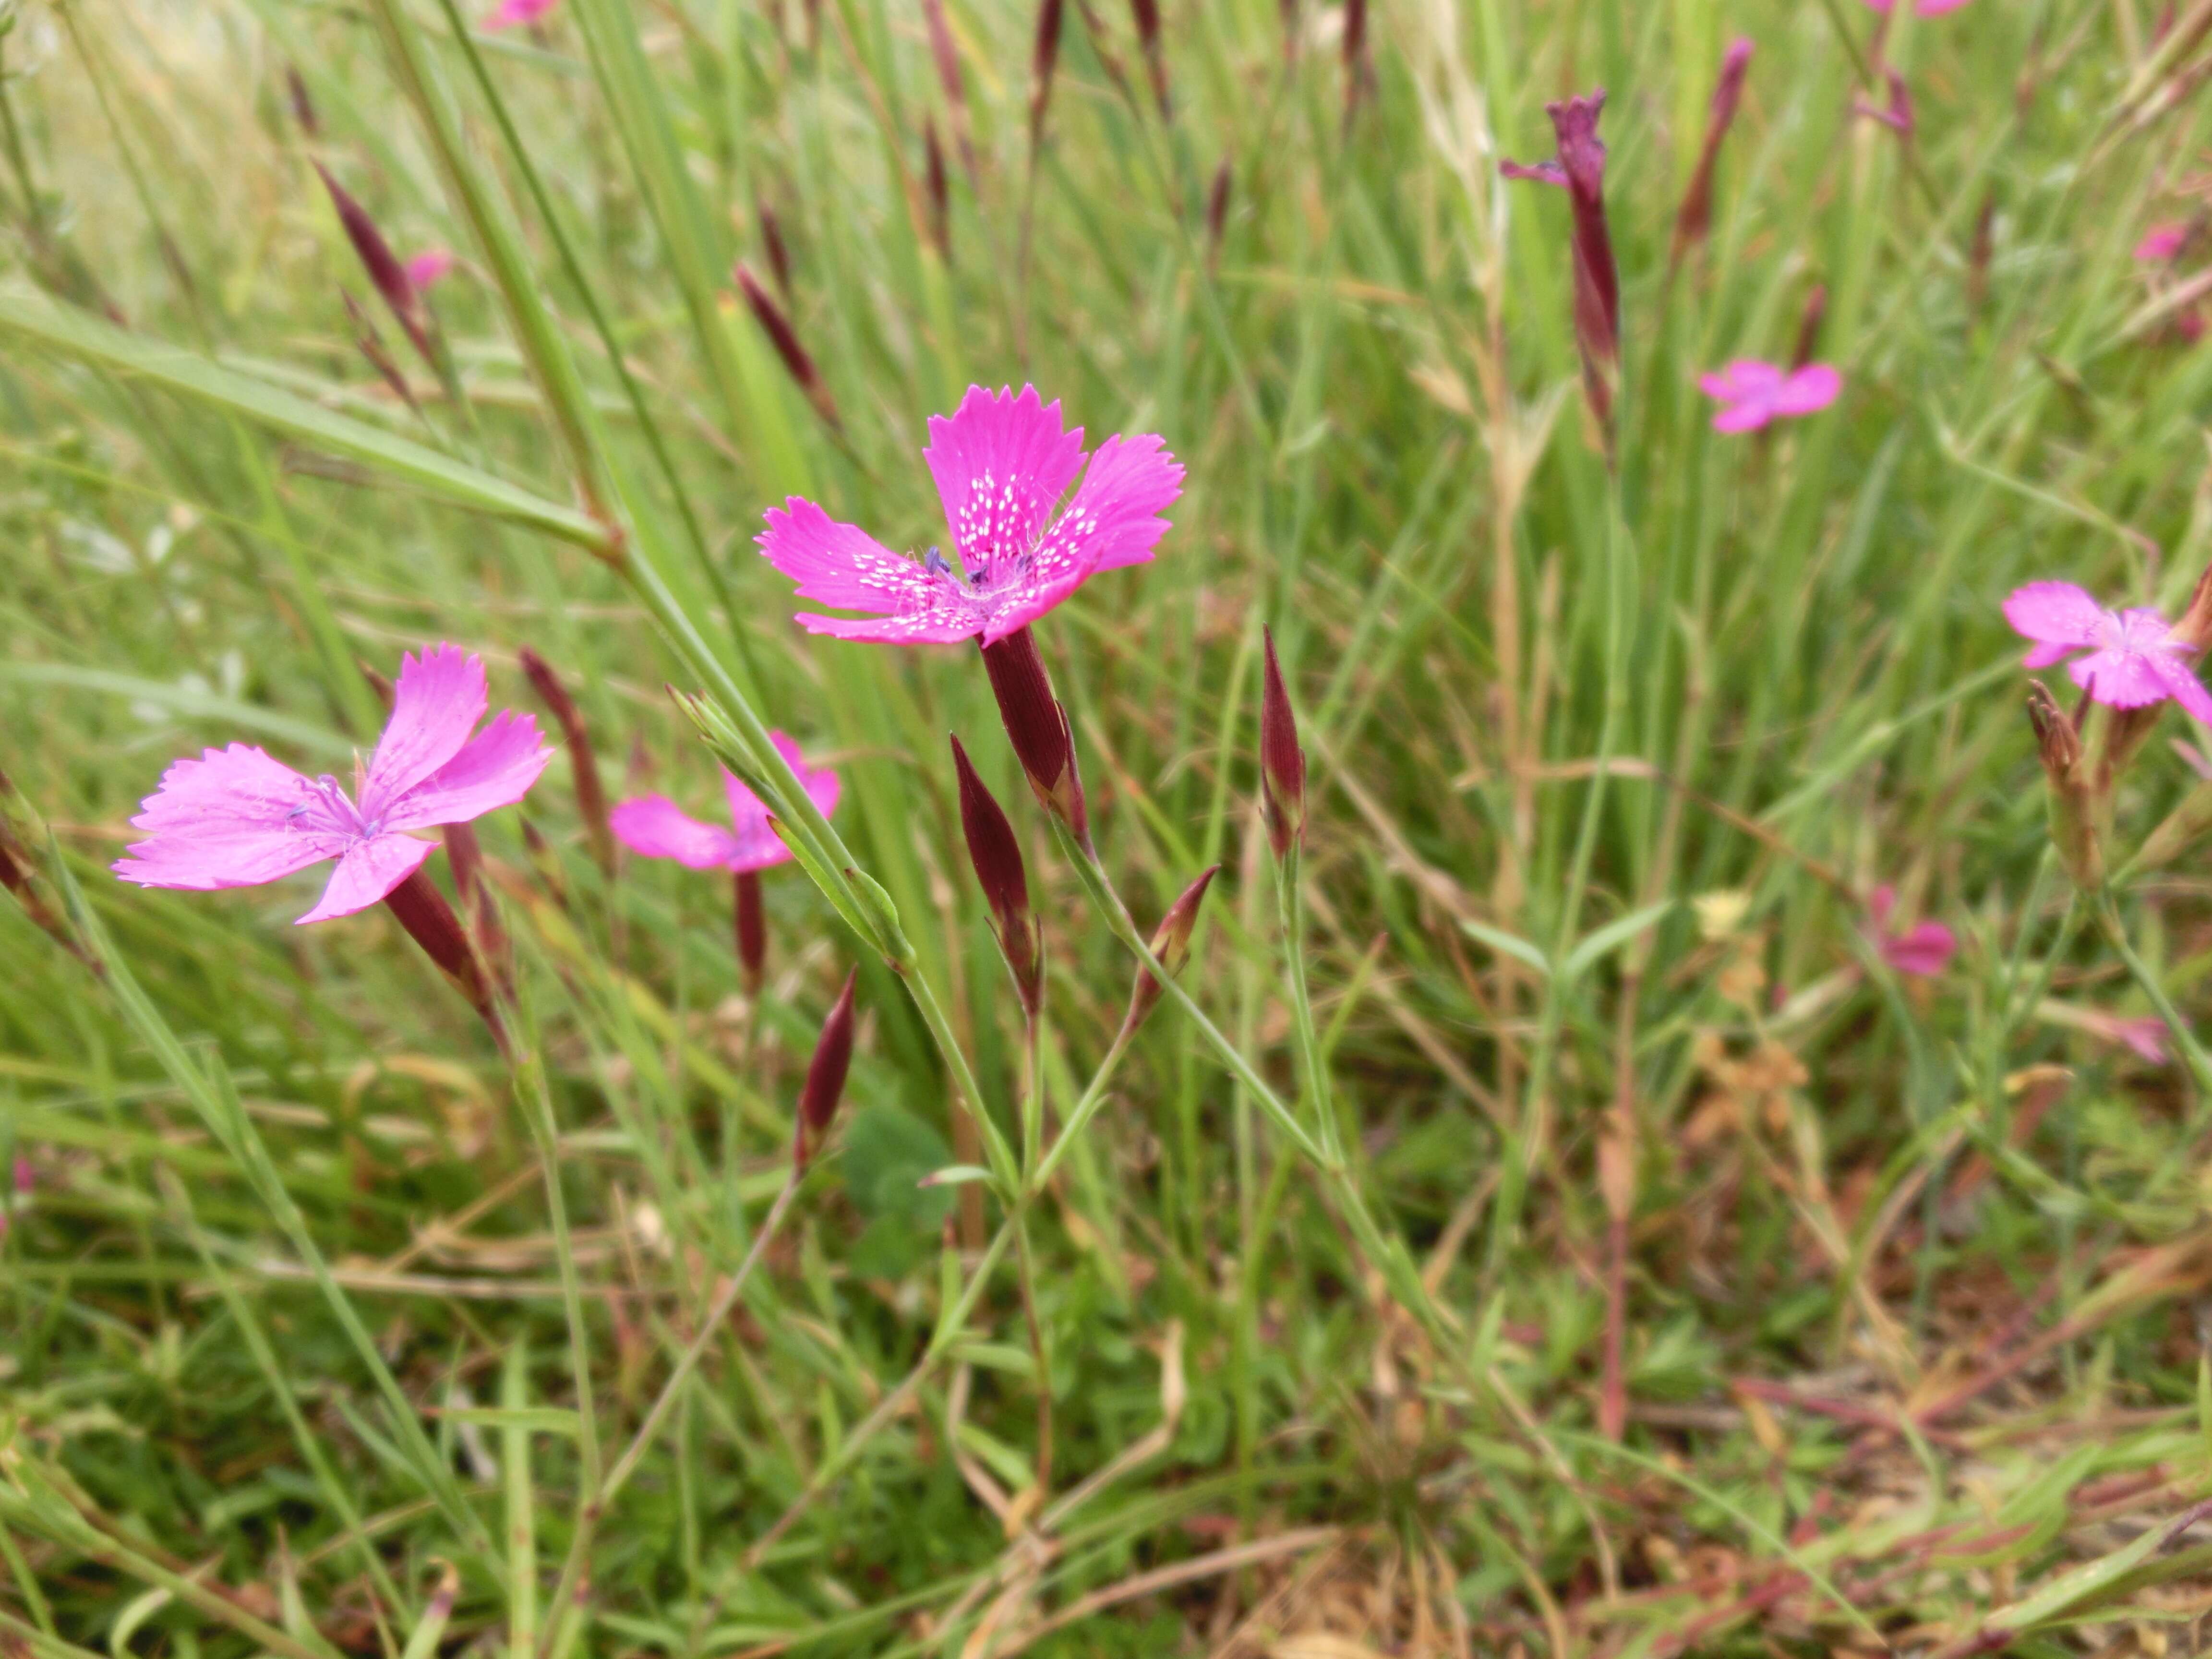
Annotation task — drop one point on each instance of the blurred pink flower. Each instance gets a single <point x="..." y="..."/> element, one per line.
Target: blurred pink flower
<point x="2146" y="1035"/>
<point x="1751" y="392"/>
<point x="2134" y="660"/>
<point x="656" y="827"/>
<point x="2160" y="243"/>
<point x="1001" y="463"/>
<point x="429" y="265"/>
<point x="1924" y="950"/>
<point x="1925" y="9"/>
<point x="236" y="819"/>
<point x="26" y="1177"/>
<point x="513" y="12"/>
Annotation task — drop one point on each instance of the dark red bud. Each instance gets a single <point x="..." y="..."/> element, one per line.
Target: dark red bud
<point x="778" y="256"/>
<point x="384" y="268"/>
<point x="785" y="339"/>
<point x="1898" y="115"/>
<point x="1217" y="210"/>
<point x="1980" y="252"/>
<point x="303" y="107"/>
<point x="1147" y="16"/>
<point x="996" y="855"/>
<point x="1171" y="944"/>
<point x="1808" y="325"/>
<point x="422" y="909"/>
<point x="825" y="1079"/>
<point x="1044" y="55"/>
<point x="1355" y="54"/>
<point x="370" y="344"/>
<point x="1037" y="727"/>
<point x="1282" y="761"/>
<point x="590" y="798"/>
<point x="752" y="931"/>
<point x="1695" y="218"/>
<point x="934" y="187"/>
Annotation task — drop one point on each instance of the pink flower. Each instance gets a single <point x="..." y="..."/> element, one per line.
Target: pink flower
<point x="1924" y="951"/>
<point x="1925" y="9"/>
<point x="1001" y="463"/>
<point x="1751" y="393"/>
<point x="2134" y="660"/>
<point x="2160" y="243"/>
<point x="430" y="266"/>
<point x="512" y="12"/>
<point x="2146" y="1035"/>
<point x="656" y="827"/>
<point x="236" y="819"/>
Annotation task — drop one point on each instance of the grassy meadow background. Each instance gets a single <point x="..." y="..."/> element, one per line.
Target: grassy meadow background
<point x="301" y="1359"/>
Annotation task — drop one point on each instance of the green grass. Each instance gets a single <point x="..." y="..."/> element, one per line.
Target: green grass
<point x="331" y="1331"/>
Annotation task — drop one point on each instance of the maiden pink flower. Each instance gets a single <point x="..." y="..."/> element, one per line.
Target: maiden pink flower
<point x="1001" y="463"/>
<point x="511" y="13"/>
<point x="2134" y="659"/>
<point x="1923" y="950"/>
<point x="1925" y="9"/>
<point x="237" y="818"/>
<point x="2160" y="243"/>
<point x="430" y="266"/>
<point x="1751" y="392"/>
<point x="656" y="827"/>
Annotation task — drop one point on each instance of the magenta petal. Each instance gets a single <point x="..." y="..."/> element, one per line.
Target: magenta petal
<point x="512" y="12"/>
<point x="656" y="827"/>
<point x="2182" y="685"/>
<point x="228" y="819"/>
<point x="925" y="628"/>
<point x="1811" y="388"/>
<point x="496" y="769"/>
<point x="1747" y="416"/>
<point x="428" y="266"/>
<point x="1935" y="8"/>
<point x="1131" y="481"/>
<point x="2044" y="655"/>
<point x="2160" y="243"/>
<point x="841" y="564"/>
<point x="1924" y="951"/>
<point x="437" y="703"/>
<point x="2146" y="1036"/>
<point x="1001" y="464"/>
<point x="371" y="868"/>
<point x="2120" y="679"/>
<point x="820" y="783"/>
<point x="2057" y="613"/>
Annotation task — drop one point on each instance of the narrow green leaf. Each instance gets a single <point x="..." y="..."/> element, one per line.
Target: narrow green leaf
<point x="1511" y="945"/>
<point x="1591" y="950"/>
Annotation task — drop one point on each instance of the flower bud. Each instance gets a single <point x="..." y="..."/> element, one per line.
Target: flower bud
<point x="1044" y="55"/>
<point x="1147" y="16"/>
<point x="2072" y="818"/>
<point x="2195" y="628"/>
<point x="996" y="855"/>
<point x="781" y="335"/>
<point x="825" y="1079"/>
<point x="422" y="909"/>
<point x="370" y="344"/>
<point x="1695" y="218"/>
<point x="779" y="255"/>
<point x="752" y="931"/>
<point x="383" y="267"/>
<point x="1282" y="762"/>
<point x="1809" y="319"/>
<point x="1037" y="727"/>
<point x="936" y="191"/>
<point x="1217" y="212"/>
<point x="590" y="798"/>
<point x="1171" y="945"/>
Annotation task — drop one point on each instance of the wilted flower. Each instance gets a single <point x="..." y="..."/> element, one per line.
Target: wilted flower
<point x="1924" y="950"/>
<point x="655" y="826"/>
<point x="1751" y="392"/>
<point x="1579" y="167"/>
<point x="513" y="13"/>
<point x="430" y="266"/>
<point x="1695" y="217"/>
<point x="237" y="818"/>
<point x="2134" y="660"/>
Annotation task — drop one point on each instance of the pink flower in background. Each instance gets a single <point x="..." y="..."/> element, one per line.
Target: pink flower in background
<point x="1924" y="950"/>
<point x="2134" y="659"/>
<point x="656" y="827"/>
<point x="2146" y="1035"/>
<point x="2160" y="243"/>
<point x="1751" y="392"/>
<point x="430" y="266"/>
<point x="513" y="12"/>
<point x="1001" y="463"/>
<point x="236" y="819"/>
<point x="1925" y="9"/>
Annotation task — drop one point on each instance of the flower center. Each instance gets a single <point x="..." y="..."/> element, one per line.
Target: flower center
<point x="327" y="807"/>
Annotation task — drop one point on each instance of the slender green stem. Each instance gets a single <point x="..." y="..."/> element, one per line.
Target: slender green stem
<point x="2193" y="1052"/>
<point x="1289" y="903"/>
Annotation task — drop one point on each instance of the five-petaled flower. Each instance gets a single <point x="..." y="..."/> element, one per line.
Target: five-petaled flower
<point x="237" y="818"/>
<point x="2134" y="659"/>
<point x="656" y="827"/>
<point x="1751" y="392"/>
<point x="1924" y="950"/>
<point x="1001" y="465"/>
